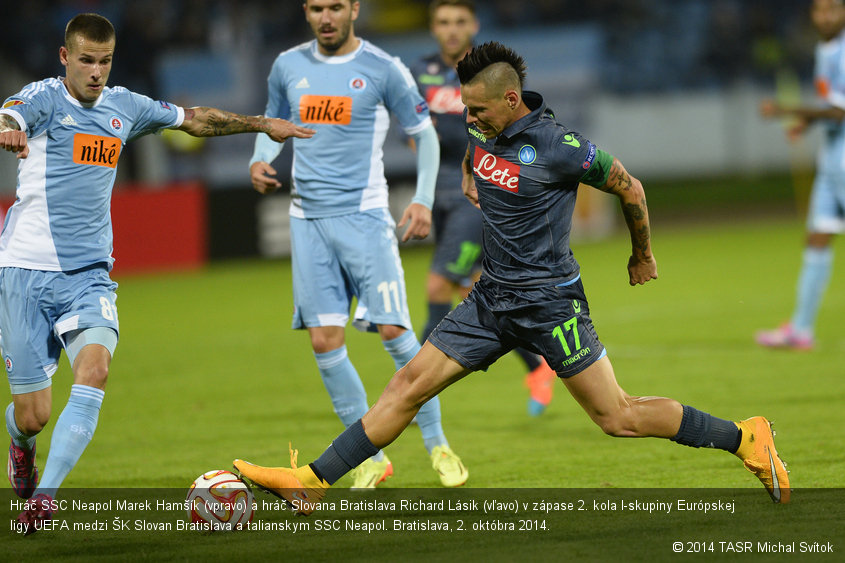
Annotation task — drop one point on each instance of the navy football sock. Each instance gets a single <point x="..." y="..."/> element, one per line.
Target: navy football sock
<point x="701" y="430"/>
<point x="345" y="453"/>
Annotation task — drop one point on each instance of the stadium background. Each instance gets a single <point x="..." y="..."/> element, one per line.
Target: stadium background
<point x="207" y="366"/>
<point x="670" y="87"/>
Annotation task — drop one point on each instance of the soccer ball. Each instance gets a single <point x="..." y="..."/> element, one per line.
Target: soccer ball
<point x="218" y="500"/>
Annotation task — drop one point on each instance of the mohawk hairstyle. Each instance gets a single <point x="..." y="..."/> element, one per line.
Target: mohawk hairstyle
<point x="488" y="54"/>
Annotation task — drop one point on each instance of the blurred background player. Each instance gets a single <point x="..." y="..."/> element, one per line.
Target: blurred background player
<point x="55" y="250"/>
<point x="456" y="263"/>
<point x="342" y="235"/>
<point x="826" y="216"/>
<point x="530" y="292"/>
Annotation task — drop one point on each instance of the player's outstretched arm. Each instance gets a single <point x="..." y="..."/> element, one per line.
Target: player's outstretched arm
<point x="12" y="139"/>
<point x="770" y="108"/>
<point x="803" y="116"/>
<point x="213" y="122"/>
<point x="641" y="266"/>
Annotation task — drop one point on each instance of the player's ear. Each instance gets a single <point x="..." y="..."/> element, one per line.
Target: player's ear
<point x="356" y="7"/>
<point x="63" y="55"/>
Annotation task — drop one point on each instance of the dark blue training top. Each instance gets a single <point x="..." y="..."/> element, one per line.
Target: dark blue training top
<point x="527" y="179"/>
<point x="439" y="85"/>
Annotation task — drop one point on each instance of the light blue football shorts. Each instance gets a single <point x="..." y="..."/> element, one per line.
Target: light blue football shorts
<point x="336" y="258"/>
<point x="40" y="311"/>
<point x="827" y="203"/>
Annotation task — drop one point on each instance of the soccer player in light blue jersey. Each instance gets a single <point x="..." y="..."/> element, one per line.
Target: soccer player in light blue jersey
<point x="342" y="235"/>
<point x="826" y="216"/>
<point x="56" y="245"/>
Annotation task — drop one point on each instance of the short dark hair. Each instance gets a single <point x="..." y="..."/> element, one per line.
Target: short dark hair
<point x="90" y="26"/>
<point x="490" y="53"/>
<point x="468" y="4"/>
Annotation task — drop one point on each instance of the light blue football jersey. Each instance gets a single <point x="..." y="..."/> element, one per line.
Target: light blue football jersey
<point x="830" y="87"/>
<point x="61" y="218"/>
<point x="348" y="101"/>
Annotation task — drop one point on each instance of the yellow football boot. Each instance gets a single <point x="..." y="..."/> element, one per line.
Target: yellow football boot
<point x="299" y="487"/>
<point x="757" y="451"/>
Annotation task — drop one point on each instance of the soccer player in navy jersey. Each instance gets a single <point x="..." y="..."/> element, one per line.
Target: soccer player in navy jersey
<point x="523" y="168"/>
<point x="55" y="250"/>
<point x="343" y="241"/>
<point x="456" y="262"/>
<point x="826" y="216"/>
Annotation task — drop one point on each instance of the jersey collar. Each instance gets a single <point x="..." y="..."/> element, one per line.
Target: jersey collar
<point x="536" y="104"/>
<point x="76" y="102"/>
<point x="336" y="60"/>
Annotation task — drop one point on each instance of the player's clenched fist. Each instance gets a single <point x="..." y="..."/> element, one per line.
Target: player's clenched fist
<point x="14" y="141"/>
<point x="641" y="270"/>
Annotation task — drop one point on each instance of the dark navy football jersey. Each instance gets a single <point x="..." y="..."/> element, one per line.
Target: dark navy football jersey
<point x="527" y="180"/>
<point x="439" y="85"/>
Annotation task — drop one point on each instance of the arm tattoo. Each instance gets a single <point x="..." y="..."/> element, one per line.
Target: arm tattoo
<point x="618" y="180"/>
<point x="634" y="211"/>
<point x="8" y="123"/>
<point x="636" y="218"/>
<point x="213" y="122"/>
<point x="629" y="191"/>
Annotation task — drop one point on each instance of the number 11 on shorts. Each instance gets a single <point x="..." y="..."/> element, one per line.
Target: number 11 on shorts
<point x="386" y="289"/>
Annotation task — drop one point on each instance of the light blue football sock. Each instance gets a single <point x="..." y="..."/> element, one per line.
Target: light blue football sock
<point x="20" y="439"/>
<point x="346" y="391"/>
<point x="815" y="274"/>
<point x="402" y="349"/>
<point x="74" y="430"/>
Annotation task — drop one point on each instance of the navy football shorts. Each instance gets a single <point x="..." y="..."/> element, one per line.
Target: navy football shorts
<point x="552" y="321"/>
<point x="457" y="233"/>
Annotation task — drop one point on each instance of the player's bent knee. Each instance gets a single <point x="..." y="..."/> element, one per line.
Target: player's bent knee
<point x="391" y="332"/>
<point x="31" y="421"/>
<point x="619" y="424"/>
<point x="93" y="374"/>
<point x="326" y="339"/>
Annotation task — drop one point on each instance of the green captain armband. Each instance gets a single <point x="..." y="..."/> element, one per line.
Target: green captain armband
<point x="596" y="176"/>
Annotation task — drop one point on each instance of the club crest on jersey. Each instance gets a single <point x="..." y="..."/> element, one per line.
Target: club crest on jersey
<point x="527" y="154"/>
<point x="421" y="107"/>
<point x="11" y="103"/>
<point x="331" y="110"/>
<point x="9" y="365"/>
<point x="497" y="171"/>
<point x="357" y="83"/>
<point x="115" y="123"/>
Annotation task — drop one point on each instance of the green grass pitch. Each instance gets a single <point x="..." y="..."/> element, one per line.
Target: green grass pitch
<point x="208" y="369"/>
